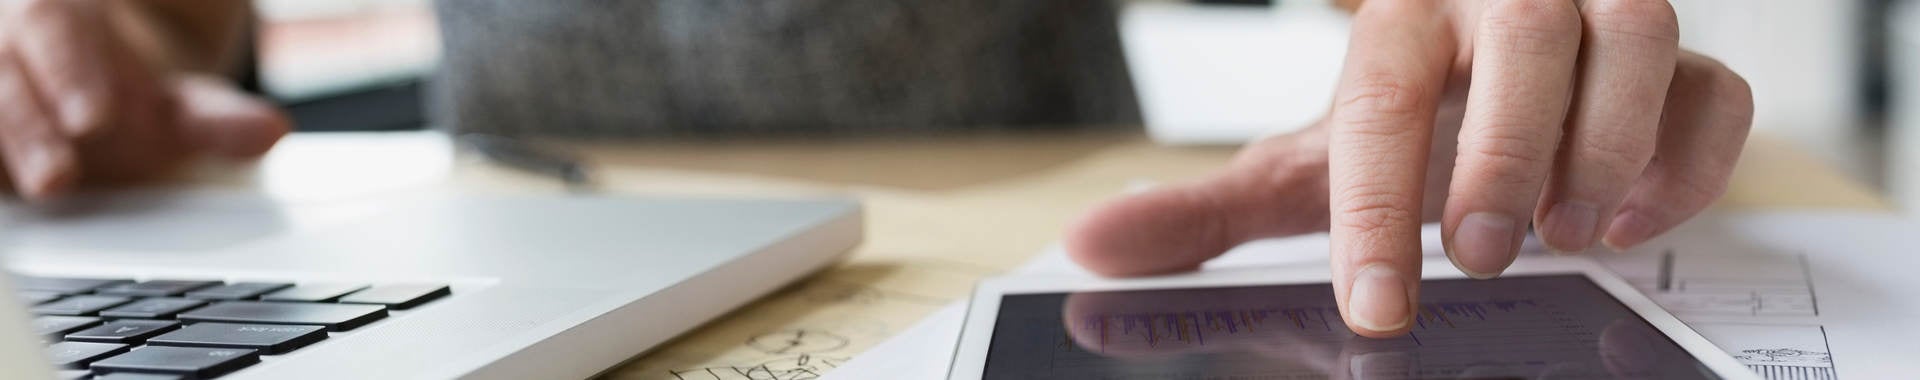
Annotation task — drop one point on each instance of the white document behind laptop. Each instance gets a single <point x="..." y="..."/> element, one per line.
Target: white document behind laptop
<point x="1853" y="267"/>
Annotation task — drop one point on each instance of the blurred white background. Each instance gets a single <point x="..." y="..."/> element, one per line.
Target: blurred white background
<point x="1903" y="67"/>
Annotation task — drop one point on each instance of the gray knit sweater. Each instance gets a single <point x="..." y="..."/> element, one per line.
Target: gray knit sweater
<point x="696" y="67"/>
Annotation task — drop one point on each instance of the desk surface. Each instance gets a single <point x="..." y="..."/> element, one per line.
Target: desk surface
<point x="942" y="212"/>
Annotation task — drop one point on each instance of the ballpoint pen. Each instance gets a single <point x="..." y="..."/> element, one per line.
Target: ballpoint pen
<point x="517" y="154"/>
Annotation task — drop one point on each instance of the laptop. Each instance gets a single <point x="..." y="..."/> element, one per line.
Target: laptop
<point x="481" y="287"/>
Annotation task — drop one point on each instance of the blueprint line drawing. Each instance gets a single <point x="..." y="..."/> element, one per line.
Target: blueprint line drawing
<point x="1759" y="308"/>
<point x="1728" y="285"/>
<point x="1775" y="351"/>
<point x="801" y="367"/>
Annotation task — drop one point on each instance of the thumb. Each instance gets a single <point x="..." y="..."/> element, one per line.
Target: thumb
<point x="1276" y="187"/>
<point x="219" y="119"/>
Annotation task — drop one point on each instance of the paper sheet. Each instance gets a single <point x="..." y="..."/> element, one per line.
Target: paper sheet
<point x="810" y="329"/>
<point x="1792" y="295"/>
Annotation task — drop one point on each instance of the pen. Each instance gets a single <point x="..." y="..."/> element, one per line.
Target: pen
<point x="520" y="155"/>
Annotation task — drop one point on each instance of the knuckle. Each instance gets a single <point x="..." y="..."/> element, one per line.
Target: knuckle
<point x="1539" y="12"/>
<point x="1616" y="152"/>
<point x="1650" y="19"/>
<point x="1372" y="212"/>
<point x="1504" y="160"/>
<point x="1519" y="107"/>
<point x="1518" y="144"/>
<point x="1382" y="99"/>
<point x="1533" y="26"/>
<point x="1393" y="10"/>
<point x="1375" y="135"/>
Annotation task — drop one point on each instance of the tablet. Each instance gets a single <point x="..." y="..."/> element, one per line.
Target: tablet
<point x="1546" y="317"/>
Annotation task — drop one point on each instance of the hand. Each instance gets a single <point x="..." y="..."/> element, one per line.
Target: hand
<point x="1582" y="117"/>
<point x="79" y="103"/>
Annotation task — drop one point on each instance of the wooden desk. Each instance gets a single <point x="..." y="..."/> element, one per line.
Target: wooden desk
<point x="942" y="212"/>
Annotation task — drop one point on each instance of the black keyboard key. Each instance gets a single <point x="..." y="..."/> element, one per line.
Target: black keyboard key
<point x="80" y="305"/>
<point x="153" y="308"/>
<point x="64" y="285"/>
<point x="78" y="354"/>
<point x="155" y="288"/>
<point x="337" y="317"/>
<point x="36" y="297"/>
<point x="237" y="291"/>
<point x="269" y="339"/>
<point x="312" y="293"/>
<point x="398" y="297"/>
<point x="60" y="325"/>
<point x="192" y="362"/>
<point x="67" y="286"/>
<point x="127" y="331"/>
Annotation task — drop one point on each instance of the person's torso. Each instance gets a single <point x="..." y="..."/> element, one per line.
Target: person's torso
<point x="676" y="67"/>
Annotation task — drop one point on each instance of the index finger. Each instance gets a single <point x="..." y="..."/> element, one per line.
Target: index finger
<point x="37" y="158"/>
<point x="1382" y="120"/>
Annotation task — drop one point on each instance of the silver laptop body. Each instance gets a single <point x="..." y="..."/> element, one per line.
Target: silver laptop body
<point x="541" y="287"/>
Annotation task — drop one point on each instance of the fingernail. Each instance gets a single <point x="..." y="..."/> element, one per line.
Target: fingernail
<point x="47" y="173"/>
<point x="1378" y="299"/>
<point x="1483" y="244"/>
<point x="76" y="114"/>
<point x="1569" y="226"/>
<point x="1627" y="230"/>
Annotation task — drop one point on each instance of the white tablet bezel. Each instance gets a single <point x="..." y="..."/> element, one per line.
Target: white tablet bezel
<point x="969" y="360"/>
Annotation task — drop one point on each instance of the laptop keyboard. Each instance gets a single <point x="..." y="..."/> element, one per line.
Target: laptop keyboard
<point x="196" y="329"/>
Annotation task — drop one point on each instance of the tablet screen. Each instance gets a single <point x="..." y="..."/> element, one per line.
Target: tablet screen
<point x="1553" y="326"/>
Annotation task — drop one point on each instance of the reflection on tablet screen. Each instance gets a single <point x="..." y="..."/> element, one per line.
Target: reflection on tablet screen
<point x="1556" y="326"/>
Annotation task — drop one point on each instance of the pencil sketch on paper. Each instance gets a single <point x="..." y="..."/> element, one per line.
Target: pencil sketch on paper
<point x="797" y="342"/>
<point x="1785" y="356"/>
<point x="799" y="367"/>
